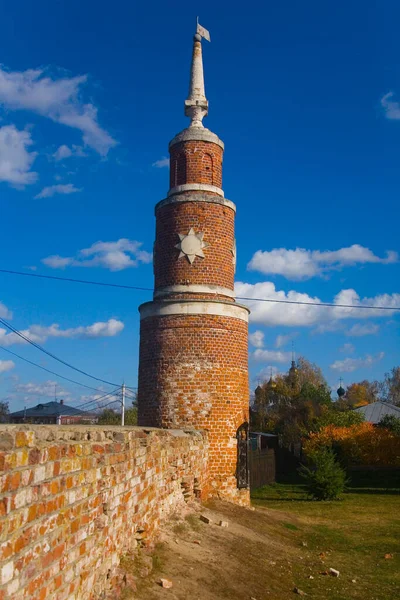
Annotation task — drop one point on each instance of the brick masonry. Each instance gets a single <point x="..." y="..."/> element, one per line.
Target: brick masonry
<point x="193" y="372"/>
<point x="193" y="368"/>
<point x="74" y="499"/>
<point x="196" y="162"/>
<point x="216" y="222"/>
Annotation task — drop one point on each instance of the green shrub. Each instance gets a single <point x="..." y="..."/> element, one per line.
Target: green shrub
<point x="390" y="422"/>
<point x="325" y="478"/>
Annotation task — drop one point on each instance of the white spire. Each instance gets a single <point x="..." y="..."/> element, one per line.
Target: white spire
<point x="196" y="106"/>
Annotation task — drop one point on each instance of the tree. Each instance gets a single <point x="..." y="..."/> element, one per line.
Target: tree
<point x="111" y="417"/>
<point x="338" y="418"/>
<point x="4" y="411"/>
<point x="325" y="478"/>
<point x="390" y="387"/>
<point x="390" y="422"/>
<point x="131" y="416"/>
<point x="310" y="373"/>
<point x="360" y="394"/>
<point x="288" y="404"/>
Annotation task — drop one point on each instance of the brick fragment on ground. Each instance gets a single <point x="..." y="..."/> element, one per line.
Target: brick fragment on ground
<point x="205" y="519"/>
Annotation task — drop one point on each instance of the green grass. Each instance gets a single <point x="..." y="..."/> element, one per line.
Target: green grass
<point x="352" y="535"/>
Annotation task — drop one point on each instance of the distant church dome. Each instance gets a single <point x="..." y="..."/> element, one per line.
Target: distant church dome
<point x="293" y="369"/>
<point x="341" y="391"/>
<point x="271" y="383"/>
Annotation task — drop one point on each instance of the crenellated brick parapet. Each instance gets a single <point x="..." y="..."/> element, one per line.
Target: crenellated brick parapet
<point x="73" y="500"/>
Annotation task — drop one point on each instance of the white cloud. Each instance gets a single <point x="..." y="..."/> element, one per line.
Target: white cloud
<point x="392" y="109"/>
<point x="163" y="162"/>
<point x="58" y="99"/>
<point x="300" y="264"/>
<point x="294" y="315"/>
<point x="283" y="340"/>
<point x="360" y="329"/>
<point x="39" y="333"/>
<point x="60" y="188"/>
<point x="256" y="339"/>
<point x="15" y="159"/>
<point x="64" y="152"/>
<point x="347" y="348"/>
<point x="352" y="364"/>
<point x="329" y="327"/>
<point x="4" y="312"/>
<point x="6" y="365"/>
<point x="47" y="389"/>
<point x="266" y="373"/>
<point x="114" y="256"/>
<point x="57" y="262"/>
<point x="271" y="356"/>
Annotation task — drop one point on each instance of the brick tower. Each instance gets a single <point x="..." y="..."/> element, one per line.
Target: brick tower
<point x="193" y="365"/>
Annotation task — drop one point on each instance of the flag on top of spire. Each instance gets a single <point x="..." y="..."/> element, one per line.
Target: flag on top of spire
<point x="203" y="31"/>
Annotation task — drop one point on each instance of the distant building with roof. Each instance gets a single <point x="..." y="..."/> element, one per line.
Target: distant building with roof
<point x="53" y="413"/>
<point x="374" y="412"/>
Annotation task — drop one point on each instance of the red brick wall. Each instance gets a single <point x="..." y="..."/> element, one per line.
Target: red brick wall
<point x="74" y="499"/>
<point x="193" y="371"/>
<point x="196" y="162"/>
<point x="216" y="221"/>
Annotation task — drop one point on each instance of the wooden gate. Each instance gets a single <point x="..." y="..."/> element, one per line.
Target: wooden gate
<point x="262" y="467"/>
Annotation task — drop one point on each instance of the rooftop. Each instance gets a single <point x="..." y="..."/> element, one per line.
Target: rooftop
<point x="375" y="411"/>
<point x="50" y="409"/>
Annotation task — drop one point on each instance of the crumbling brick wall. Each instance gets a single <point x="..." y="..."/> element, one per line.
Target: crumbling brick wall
<point x="73" y="499"/>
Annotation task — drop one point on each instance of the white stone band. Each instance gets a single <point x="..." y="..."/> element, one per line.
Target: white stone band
<point x="197" y="134"/>
<point x="189" y="187"/>
<point x="195" y="289"/>
<point x="196" y="197"/>
<point x="194" y="307"/>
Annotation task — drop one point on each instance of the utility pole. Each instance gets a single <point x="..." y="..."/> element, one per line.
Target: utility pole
<point x="123" y="405"/>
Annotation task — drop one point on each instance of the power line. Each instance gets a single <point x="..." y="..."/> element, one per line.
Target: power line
<point x="49" y="371"/>
<point x="143" y="289"/>
<point x="87" y="281"/>
<point x="331" y="304"/>
<point x="39" y="347"/>
<point x="112" y="402"/>
<point x="96" y="400"/>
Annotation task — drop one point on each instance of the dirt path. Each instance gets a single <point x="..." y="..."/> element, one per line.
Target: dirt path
<point x="251" y="558"/>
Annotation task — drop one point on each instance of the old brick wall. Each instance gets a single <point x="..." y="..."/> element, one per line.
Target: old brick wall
<point x="73" y="499"/>
<point x="216" y="222"/>
<point x="193" y="371"/>
<point x="196" y="162"/>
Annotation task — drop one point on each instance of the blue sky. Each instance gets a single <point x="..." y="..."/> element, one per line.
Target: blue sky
<point x="306" y="98"/>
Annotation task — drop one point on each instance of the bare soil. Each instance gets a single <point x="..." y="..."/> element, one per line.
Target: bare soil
<point x="252" y="558"/>
<point x="285" y="543"/>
